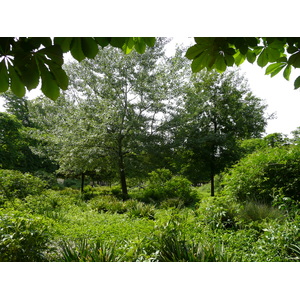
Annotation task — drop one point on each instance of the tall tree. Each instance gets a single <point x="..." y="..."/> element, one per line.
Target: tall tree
<point x="219" y="110"/>
<point x="111" y="112"/>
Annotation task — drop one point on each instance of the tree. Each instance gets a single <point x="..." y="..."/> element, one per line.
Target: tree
<point x="11" y="141"/>
<point x="219" y="110"/>
<point x="24" y="61"/>
<point x="110" y="113"/>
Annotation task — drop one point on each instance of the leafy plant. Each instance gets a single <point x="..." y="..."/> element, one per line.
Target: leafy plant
<point x="162" y="185"/>
<point x="259" y="174"/>
<point x="83" y="251"/>
<point x="14" y="184"/>
<point x="23" y="237"/>
<point x="258" y="211"/>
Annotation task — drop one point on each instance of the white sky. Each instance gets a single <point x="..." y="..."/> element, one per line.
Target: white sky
<point x="278" y="94"/>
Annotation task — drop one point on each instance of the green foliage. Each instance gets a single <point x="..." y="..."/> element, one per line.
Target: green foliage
<point x="264" y="174"/>
<point x="14" y="184"/>
<point x="218" y="212"/>
<point x="23" y="237"/>
<point x="162" y="186"/>
<point x="133" y="208"/>
<point x="174" y="247"/>
<point x="277" y="54"/>
<point x="12" y="141"/>
<point x="253" y="211"/>
<point x="82" y="251"/>
<point x="24" y="61"/>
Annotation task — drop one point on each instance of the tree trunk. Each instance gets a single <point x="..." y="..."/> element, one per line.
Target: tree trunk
<point x="82" y="182"/>
<point x="212" y="179"/>
<point x="123" y="177"/>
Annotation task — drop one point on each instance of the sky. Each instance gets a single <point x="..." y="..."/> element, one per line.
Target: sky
<point x="277" y="93"/>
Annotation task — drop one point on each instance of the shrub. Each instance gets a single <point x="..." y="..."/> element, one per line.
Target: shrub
<point x="265" y="173"/>
<point x="14" y="184"/>
<point x="23" y="237"/>
<point x="218" y="212"/>
<point x="162" y="185"/>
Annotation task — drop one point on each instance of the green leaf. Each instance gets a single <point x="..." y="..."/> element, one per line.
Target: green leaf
<point x="239" y="58"/>
<point x="128" y="46"/>
<point x="287" y="72"/>
<point x="54" y="53"/>
<point x="263" y="59"/>
<point x="76" y="49"/>
<point x="118" y="41"/>
<point x="251" y="57"/>
<point x="31" y="75"/>
<point x="16" y="84"/>
<point x="89" y="47"/>
<point x="150" y="41"/>
<point x="297" y="83"/>
<point x="193" y="51"/>
<point x="4" y="79"/>
<point x="204" y="60"/>
<point x="49" y="85"/>
<point x="220" y="64"/>
<point x="140" y="46"/>
<point x="102" y="41"/>
<point x="274" y="69"/>
<point x="294" y="60"/>
<point x="292" y="49"/>
<point x="272" y="54"/>
<point x="63" y="42"/>
<point x="59" y="75"/>
<point x="229" y="60"/>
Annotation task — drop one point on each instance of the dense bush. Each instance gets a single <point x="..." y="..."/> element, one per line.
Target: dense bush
<point x="264" y="174"/>
<point x="162" y="185"/>
<point x="23" y="237"/>
<point x="14" y="184"/>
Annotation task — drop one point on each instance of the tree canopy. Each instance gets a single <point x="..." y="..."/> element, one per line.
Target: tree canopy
<point x="26" y="61"/>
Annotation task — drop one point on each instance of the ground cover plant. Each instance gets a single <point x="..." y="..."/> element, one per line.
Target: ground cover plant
<point x="60" y="225"/>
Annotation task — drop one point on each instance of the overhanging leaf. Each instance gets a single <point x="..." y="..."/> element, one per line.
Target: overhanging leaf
<point x="297" y="83"/>
<point x="294" y="60"/>
<point x="140" y="46"/>
<point x="150" y="41"/>
<point x="262" y="59"/>
<point x="76" y="49"/>
<point x="274" y="69"/>
<point x="287" y="72"/>
<point x="4" y="79"/>
<point x="49" y="85"/>
<point x="220" y="64"/>
<point x="16" y="84"/>
<point x="63" y="42"/>
<point x="60" y="75"/>
<point x="251" y="57"/>
<point x="239" y="58"/>
<point x="89" y="47"/>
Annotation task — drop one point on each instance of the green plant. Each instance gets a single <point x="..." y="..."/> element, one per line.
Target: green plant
<point x="162" y="185"/>
<point x="14" y="184"/>
<point x="23" y="237"/>
<point x="257" y="175"/>
<point x="218" y="212"/>
<point x="84" y="251"/>
<point x="175" y="247"/>
<point x="253" y="211"/>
